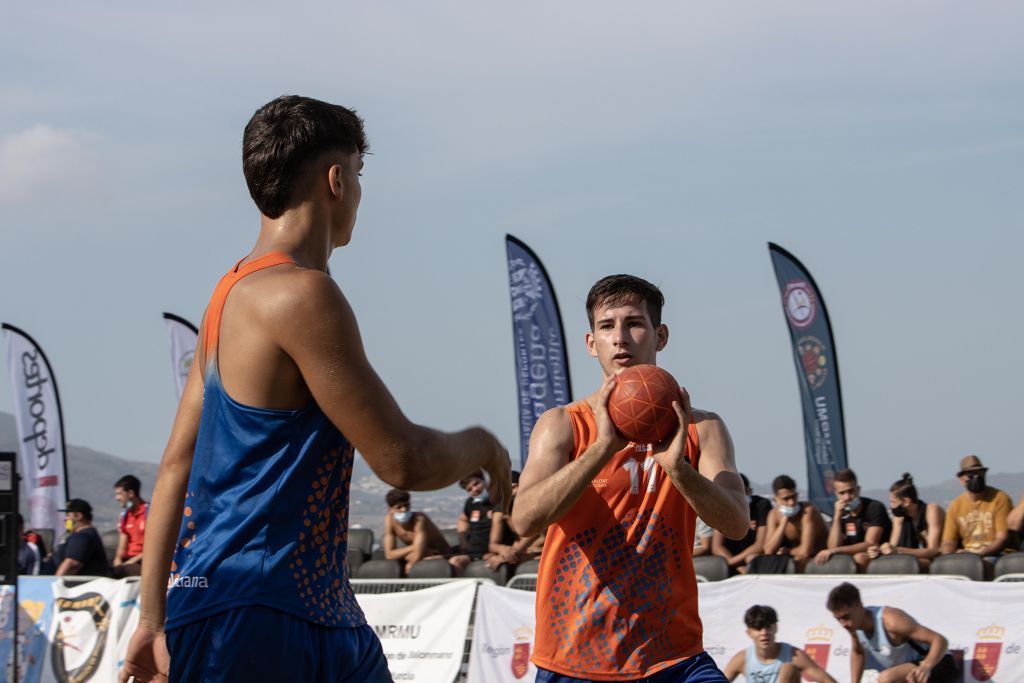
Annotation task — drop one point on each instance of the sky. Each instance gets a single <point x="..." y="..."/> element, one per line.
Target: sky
<point x="881" y="143"/>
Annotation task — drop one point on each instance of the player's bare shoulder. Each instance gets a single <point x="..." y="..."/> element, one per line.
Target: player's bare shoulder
<point x="553" y="429"/>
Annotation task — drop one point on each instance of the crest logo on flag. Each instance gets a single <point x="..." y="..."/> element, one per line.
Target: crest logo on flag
<point x="819" y="644"/>
<point x="800" y="304"/>
<point x="813" y="360"/>
<point x="521" y="651"/>
<point x="986" y="652"/>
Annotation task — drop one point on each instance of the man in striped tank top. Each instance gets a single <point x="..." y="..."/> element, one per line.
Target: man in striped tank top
<point x="616" y="589"/>
<point x="245" y="576"/>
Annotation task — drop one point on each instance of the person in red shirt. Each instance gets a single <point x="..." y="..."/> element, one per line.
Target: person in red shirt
<point x="131" y="527"/>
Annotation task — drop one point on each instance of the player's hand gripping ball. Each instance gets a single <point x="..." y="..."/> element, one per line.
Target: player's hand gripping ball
<point x="640" y="404"/>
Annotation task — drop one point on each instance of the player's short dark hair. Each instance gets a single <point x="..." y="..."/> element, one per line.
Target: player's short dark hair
<point x="478" y="474"/>
<point x="783" y="481"/>
<point x="846" y="476"/>
<point x="904" y="488"/>
<point x="283" y="136"/>
<point x="129" y="482"/>
<point x="396" y="497"/>
<point x="843" y="595"/>
<point x="623" y="289"/>
<point x="760" y="616"/>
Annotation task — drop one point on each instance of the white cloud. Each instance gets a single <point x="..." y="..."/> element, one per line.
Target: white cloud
<point x="42" y="160"/>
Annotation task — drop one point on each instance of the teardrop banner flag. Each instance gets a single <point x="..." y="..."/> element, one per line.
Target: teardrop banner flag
<point x="817" y="371"/>
<point x="542" y="364"/>
<point x="183" y="348"/>
<point x="40" y="429"/>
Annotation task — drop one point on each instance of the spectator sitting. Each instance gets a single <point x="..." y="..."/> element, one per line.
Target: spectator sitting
<point x="82" y="551"/>
<point x="977" y="518"/>
<point x="506" y="544"/>
<point x="795" y="528"/>
<point x="29" y="557"/>
<point x="857" y="523"/>
<point x="916" y="525"/>
<point x="768" y="659"/>
<point x="423" y="540"/>
<point x="702" y="537"/>
<point x="131" y="527"/>
<point x="475" y="522"/>
<point x="738" y="554"/>
<point x="1015" y="524"/>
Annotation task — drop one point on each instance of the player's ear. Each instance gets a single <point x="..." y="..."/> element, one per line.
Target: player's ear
<point x="335" y="175"/>
<point x="591" y="346"/>
<point x="662" y="332"/>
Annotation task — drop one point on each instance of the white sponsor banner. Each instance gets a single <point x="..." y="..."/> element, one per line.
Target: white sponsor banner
<point x="983" y="621"/>
<point x="40" y="430"/>
<point x="423" y="632"/>
<point x="183" y="348"/>
<point x="502" y="636"/>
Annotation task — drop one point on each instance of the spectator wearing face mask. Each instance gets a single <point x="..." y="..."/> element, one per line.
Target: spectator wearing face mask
<point x="476" y="520"/>
<point x="916" y="525"/>
<point x="795" y="527"/>
<point x="419" y="536"/>
<point x="857" y="523"/>
<point x="977" y="518"/>
<point x="131" y="527"/>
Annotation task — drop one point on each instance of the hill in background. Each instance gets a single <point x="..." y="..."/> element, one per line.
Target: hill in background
<point x="92" y="475"/>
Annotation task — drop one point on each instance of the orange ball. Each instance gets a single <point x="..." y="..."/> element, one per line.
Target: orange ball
<point x="640" y="404"/>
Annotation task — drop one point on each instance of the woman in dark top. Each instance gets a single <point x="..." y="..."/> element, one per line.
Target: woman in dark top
<point x="916" y="526"/>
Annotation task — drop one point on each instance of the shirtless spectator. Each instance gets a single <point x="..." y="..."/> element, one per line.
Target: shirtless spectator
<point x="422" y="539"/>
<point x="795" y="528"/>
<point x="738" y="554"/>
<point x="507" y="546"/>
<point x="977" y="521"/>
<point x="857" y="523"/>
<point x="916" y="525"/>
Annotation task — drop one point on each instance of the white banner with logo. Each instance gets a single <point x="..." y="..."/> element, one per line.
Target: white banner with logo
<point x="183" y="348"/>
<point x="984" y="622"/>
<point x="40" y="430"/>
<point x="423" y="632"/>
<point x="502" y="636"/>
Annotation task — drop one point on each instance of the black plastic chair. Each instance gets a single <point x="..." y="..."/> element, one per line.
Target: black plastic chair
<point x="479" y="570"/>
<point x="437" y="568"/>
<point x="711" y="567"/>
<point x="361" y="539"/>
<point x="894" y="564"/>
<point x="354" y="558"/>
<point x="1010" y="564"/>
<point x="959" y="564"/>
<point x="838" y="564"/>
<point x="772" y="564"/>
<point x="380" y="569"/>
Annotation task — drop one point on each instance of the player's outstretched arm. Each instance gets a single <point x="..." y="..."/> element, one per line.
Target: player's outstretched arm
<point x="315" y="326"/>
<point x="147" y="658"/>
<point x="809" y="668"/>
<point x="550" y="484"/>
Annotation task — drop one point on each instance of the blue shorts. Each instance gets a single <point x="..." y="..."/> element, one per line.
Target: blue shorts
<point x="699" y="669"/>
<point x="257" y="643"/>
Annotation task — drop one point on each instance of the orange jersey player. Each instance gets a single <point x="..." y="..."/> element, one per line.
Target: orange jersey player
<point x="616" y="590"/>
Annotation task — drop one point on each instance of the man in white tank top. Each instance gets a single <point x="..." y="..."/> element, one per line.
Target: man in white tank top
<point x="769" y="661"/>
<point x="891" y="641"/>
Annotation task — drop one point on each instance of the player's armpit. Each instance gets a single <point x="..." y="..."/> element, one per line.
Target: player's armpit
<point x="727" y="509"/>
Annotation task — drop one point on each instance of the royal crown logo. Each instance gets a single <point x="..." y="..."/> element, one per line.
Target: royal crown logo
<point x="986" y="652"/>
<point x="820" y="633"/>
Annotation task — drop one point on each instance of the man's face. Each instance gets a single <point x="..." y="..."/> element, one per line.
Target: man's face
<point x="475" y="487"/>
<point x="624" y="336"/>
<point x="846" y="491"/>
<point x="786" y="497"/>
<point x="74" y="518"/>
<point x="764" y="637"/>
<point x="122" y="496"/>
<point x="399" y="508"/>
<point x="849" y="617"/>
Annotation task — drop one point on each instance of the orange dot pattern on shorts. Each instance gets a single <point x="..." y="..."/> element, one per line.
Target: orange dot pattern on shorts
<point x="317" y="562"/>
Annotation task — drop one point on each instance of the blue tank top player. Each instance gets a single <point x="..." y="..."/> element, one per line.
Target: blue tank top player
<point x="245" y="576"/>
<point x="768" y="660"/>
<point x="890" y="641"/>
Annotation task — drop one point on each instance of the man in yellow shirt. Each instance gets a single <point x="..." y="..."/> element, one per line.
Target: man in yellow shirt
<point x="976" y="522"/>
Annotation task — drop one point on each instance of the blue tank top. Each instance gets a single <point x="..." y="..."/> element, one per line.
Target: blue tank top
<point x="266" y="511"/>
<point x="880" y="652"/>
<point x="760" y="672"/>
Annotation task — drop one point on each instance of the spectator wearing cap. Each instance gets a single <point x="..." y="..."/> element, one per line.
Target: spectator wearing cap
<point x="738" y="553"/>
<point x="858" y="523"/>
<point x="508" y="546"/>
<point x="131" y="527"/>
<point x="82" y="551"/>
<point x="977" y="518"/>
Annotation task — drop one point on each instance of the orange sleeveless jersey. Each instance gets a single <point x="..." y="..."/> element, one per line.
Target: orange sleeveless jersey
<point x="616" y="589"/>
